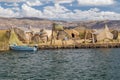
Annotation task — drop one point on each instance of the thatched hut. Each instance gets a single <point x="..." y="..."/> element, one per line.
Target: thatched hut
<point x="55" y="29"/>
<point x="105" y="35"/>
<point x="88" y="34"/>
<point x="118" y="38"/>
<point x="62" y="35"/>
<point x="14" y="38"/>
<point x="43" y="35"/>
<point x="81" y="29"/>
<point x="36" y="38"/>
<point x="21" y="34"/>
<point x="4" y="39"/>
<point x="24" y="34"/>
<point x="115" y="34"/>
<point x="73" y="34"/>
<point x="49" y="33"/>
<point x="34" y="30"/>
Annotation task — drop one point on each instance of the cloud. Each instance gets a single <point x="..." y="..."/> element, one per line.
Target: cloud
<point x="12" y="0"/>
<point x="95" y="2"/>
<point x="59" y="12"/>
<point x="8" y="13"/>
<point x="34" y="3"/>
<point x="28" y="11"/>
<point x="63" y="1"/>
<point x="95" y="14"/>
<point x="16" y="9"/>
<point x="54" y="11"/>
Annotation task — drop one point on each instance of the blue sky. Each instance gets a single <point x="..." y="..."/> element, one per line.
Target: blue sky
<point x="62" y="9"/>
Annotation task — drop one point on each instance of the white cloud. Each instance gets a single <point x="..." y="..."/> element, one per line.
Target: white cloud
<point x="54" y="11"/>
<point x="16" y="9"/>
<point x="28" y="11"/>
<point x="12" y="0"/>
<point x="59" y="12"/>
<point x="8" y="13"/>
<point x="95" y="14"/>
<point x="34" y="3"/>
<point x="64" y="1"/>
<point x="96" y="2"/>
<point x="91" y="14"/>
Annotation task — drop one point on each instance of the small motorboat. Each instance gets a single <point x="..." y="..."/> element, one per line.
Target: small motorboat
<point x="23" y="48"/>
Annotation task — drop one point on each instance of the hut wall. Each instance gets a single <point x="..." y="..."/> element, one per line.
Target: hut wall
<point x="28" y="36"/>
<point x="115" y="34"/>
<point x="4" y="40"/>
<point x="36" y="39"/>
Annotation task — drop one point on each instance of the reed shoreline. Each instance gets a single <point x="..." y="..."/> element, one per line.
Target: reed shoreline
<point x="81" y="46"/>
<point x="75" y="46"/>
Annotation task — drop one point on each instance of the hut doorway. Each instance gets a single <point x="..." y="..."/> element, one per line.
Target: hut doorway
<point x="73" y="35"/>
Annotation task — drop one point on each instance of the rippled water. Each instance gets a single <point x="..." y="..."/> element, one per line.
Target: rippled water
<point x="68" y="64"/>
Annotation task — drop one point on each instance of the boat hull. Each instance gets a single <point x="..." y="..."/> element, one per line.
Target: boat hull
<point x="23" y="48"/>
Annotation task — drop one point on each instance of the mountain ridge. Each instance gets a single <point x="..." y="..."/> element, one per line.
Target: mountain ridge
<point x="6" y="23"/>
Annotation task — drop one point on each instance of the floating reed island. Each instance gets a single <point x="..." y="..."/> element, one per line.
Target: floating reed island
<point x="60" y="37"/>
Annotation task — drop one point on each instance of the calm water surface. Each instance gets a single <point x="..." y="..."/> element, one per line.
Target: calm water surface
<point x="68" y="64"/>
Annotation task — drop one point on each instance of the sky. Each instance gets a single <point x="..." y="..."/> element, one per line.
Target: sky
<point x="62" y="9"/>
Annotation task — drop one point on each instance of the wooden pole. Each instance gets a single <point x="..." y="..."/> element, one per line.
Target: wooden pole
<point x="93" y="40"/>
<point x="85" y="36"/>
<point x="53" y="29"/>
<point x="51" y="37"/>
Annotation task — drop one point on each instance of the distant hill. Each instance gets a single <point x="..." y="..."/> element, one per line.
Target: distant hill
<point x="6" y="23"/>
<point x="112" y="24"/>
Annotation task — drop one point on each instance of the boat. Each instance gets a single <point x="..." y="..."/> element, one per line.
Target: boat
<point x="16" y="44"/>
<point x="23" y="48"/>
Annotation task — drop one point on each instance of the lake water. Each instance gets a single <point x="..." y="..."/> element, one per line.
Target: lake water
<point x="67" y="64"/>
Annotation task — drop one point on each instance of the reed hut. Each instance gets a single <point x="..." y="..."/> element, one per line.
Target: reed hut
<point x="21" y="34"/>
<point x="14" y="38"/>
<point x="62" y="35"/>
<point x="104" y="35"/>
<point x="55" y="29"/>
<point x="43" y="35"/>
<point x="118" y="37"/>
<point x="36" y="38"/>
<point x="73" y="34"/>
<point x="49" y="33"/>
<point x="89" y="36"/>
<point x="4" y="39"/>
<point x="81" y="29"/>
<point x="34" y="30"/>
<point x="115" y="34"/>
<point x="24" y="34"/>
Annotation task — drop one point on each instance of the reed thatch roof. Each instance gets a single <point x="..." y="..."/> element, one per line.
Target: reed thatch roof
<point x="104" y="34"/>
<point x="20" y="33"/>
<point x="4" y="35"/>
<point x="14" y="38"/>
<point x="58" y="27"/>
<point x="43" y="33"/>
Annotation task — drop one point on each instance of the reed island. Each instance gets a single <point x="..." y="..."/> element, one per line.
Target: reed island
<point x="59" y="37"/>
